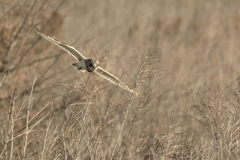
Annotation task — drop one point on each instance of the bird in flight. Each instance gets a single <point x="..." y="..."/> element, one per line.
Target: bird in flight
<point x="84" y="64"/>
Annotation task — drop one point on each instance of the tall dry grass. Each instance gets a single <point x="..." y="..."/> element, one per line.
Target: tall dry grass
<point x="181" y="55"/>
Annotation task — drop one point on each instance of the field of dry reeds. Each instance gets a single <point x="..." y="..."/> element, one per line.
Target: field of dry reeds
<point x="181" y="55"/>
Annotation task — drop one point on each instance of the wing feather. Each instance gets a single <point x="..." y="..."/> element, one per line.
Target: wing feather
<point x="71" y="50"/>
<point x="105" y="74"/>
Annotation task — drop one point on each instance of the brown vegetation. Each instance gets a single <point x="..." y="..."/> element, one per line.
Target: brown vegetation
<point x="182" y="55"/>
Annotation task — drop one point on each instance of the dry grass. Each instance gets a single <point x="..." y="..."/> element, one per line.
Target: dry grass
<point x="181" y="55"/>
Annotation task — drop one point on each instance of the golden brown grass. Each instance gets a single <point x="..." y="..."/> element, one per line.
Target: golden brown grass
<point x="181" y="55"/>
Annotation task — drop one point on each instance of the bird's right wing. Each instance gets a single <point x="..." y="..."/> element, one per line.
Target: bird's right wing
<point x="105" y="74"/>
<point x="71" y="50"/>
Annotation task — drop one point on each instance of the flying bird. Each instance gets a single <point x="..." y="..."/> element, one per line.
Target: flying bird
<point x="90" y="65"/>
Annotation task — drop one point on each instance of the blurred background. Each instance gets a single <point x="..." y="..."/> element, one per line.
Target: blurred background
<point x="182" y="55"/>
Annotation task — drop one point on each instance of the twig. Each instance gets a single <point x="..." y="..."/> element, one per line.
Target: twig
<point x="12" y="121"/>
<point x="9" y="10"/>
<point x="27" y="122"/>
<point x="17" y="31"/>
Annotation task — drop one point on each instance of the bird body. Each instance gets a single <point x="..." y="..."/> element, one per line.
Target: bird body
<point x="90" y="65"/>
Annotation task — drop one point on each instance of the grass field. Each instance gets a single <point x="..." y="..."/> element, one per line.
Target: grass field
<point x="182" y="55"/>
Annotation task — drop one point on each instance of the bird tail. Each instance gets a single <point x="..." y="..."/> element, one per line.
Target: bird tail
<point x="76" y="64"/>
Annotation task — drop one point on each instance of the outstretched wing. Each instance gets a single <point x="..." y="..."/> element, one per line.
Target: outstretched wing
<point x="105" y="74"/>
<point x="71" y="50"/>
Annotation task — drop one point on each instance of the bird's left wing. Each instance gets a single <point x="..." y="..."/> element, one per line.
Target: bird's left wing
<point x="105" y="74"/>
<point x="71" y="50"/>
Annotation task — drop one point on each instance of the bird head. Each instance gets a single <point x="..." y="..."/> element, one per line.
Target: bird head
<point x="91" y="65"/>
